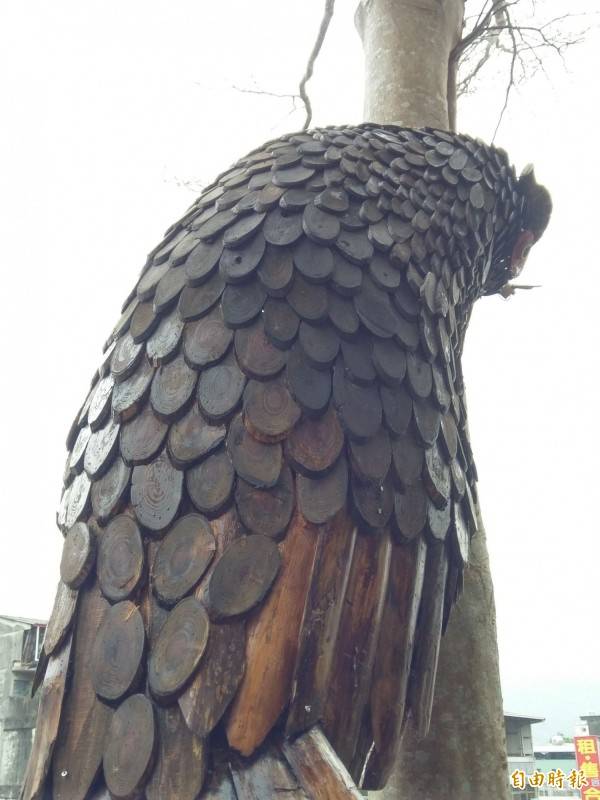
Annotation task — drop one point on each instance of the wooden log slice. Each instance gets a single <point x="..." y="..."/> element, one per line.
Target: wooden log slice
<point x="256" y="462"/>
<point x="374" y="502"/>
<point x="183" y="248"/>
<point x="347" y="277"/>
<point x="220" y="390"/>
<point x="79" y="550"/>
<point x="358" y="361"/>
<point x="178" y="648"/>
<point x="320" y="498"/>
<point x="207" y="340"/>
<point x="202" y="261"/>
<point x="78" y="500"/>
<point x="371" y="460"/>
<point x="169" y="288"/>
<point x="276" y="270"/>
<point x="311" y="387"/>
<point x="436" y="476"/>
<point x="177" y="747"/>
<point x="215" y="683"/>
<point x="270" y="412"/>
<point x="210" y="483"/>
<point x="120" y="559"/>
<point x="282" y="227"/>
<point x="342" y="315"/>
<point x="142" y="437"/>
<point x="172" y="388"/>
<point x="61" y="618"/>
<point x="101" y="450"/>
<point x="408" y="460"/>
<point x="410" y="511"/>
<point x="195" y="301"/>
<point x="162" y="345"/>
<point x="243" y="229"/>
<point x="449" y="438"/>
<point x="419" y="376"/>
<point x="359" y="406"/>
<point x="322" y="227"/>
<point x="241" y="303"/>
<point x="242" y="576"/>
<point x="427" y="421"/>
<point x="266" y="511"/>
<point x="78" y="451"/>
<point x="238" y="264"/>
<point x="143" y="322"/>
<point x="281" y="323"/>
<point x="147" y="283"/>
<point x="48" y="721"/>
<point x="314" y="262"/>
<point x="118" y="651"/>
<point x="320" y="344"/>
<point x="255" y="353"/>
<point x="100" y="403"/>
<point x="314" y="445"/>
<point x="129" y="395"/>
<point x="156" y="493"/>
<point x="130" y="747"/>
<point x="308" y="300"/>
<point x="438" y="520"/>
<point x="459" y="535"/>
<point x="125" y="357"/>
<point x="192" y="438"/>
<point x="265" y="775"/>
<point x="182" y="558"/>
<point x="109" y="493"/>
<point x="397" y="409"/>
<point x="389" y="361"/>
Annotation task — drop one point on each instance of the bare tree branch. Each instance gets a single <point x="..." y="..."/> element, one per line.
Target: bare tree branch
<point x="327" y="15"/>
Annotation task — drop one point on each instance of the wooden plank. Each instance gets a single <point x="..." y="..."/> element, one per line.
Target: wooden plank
<point x="321" y="623"/>
<point x="319" y="770"/>
<point x="272" y="643"/>
<point x="46" y="731"/>
<point x="268" y="775"/>
<point x="85" y="720"/>
<point x="181" y="760"/>
<point x="357" y="642"/>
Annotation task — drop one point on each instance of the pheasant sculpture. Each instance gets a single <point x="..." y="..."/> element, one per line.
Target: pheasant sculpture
<point x="269" y="491"/>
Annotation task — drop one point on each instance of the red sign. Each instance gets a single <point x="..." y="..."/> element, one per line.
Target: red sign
<point x="588" y="762"/>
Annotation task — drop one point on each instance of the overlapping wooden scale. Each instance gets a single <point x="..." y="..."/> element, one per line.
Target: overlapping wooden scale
<point x="120" y="563"/>
<point x="210" y="483"/>
<point x="78" y="451"/>
<point x="256" y="462"/>
<point x="142" y="437"/>
<point x="220" y="390"/>
<point x="129" y="396"/>
<point x="101" y="449"/>
<point x="182" y="558"/>
<point x="314" y="445"/>
<point x="125" y="357"/>
<point x="206" y="340"/>
<point x="163" y="343"/>
<point x="117" y="652"/>
<point x="144" y="321"/>
<point x="192" y="438"/>
<point x="195" y="301"/>
<point x="266" y="511"/>
<point x="359" y="406"/>
<point x="309" y="300"/>
<point x="169" y="288"/>
<point x="320" y="498"/>
<point x="61" y="618"/>
<point x="311" y="387"/>
<point x="79" y="552"/>
<point x="177" y="651"/>
<point x="241" y="303"/>
<point x="100" y="402"/>
<point x="371" y="460"/>
<point x="270" y="412"/>
<point x="172" y="388"/>
<point x="373" y="502"/>
<point x="156" y="490"/>
<point x="320" y="344"/>
<point x="256" y="355"/>
<point x="436" y="477"/>
<point x="130" y="748"/>
<point x="281" y="323"/>
<point x="237" y="265"/>
<point x="109" y="494"/>
<point x="265" y="775"/>
<point x="76" y="501"/>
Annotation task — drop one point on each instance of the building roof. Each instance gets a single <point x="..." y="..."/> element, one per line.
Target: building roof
<point x="23" y="620"/>
<point x="524" y="717"/>
<point x="567" y="747"/>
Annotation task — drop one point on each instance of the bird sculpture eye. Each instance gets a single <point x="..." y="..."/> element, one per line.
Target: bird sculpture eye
<point x="520" y="252"/>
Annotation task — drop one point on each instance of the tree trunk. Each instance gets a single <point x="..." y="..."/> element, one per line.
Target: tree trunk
<point x="410" y="81"/>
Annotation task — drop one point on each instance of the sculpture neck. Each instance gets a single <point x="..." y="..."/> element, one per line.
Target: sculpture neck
<point x="407" y="44"/>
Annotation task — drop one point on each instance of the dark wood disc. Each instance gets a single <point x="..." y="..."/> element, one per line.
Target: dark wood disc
<point x="312" y="260"/>
<point x="438" y="520"/>
<point x="320" y="344"/>
<point x="125" y="357"/>
<point x="314" y="445"/>
<point x="100" y="403"/>
<point x="408" y="459"/>
<point x="156" y="493"/>
<point x="78" y="451"/>
<point x="129" y="395"/>
<point x="61" y="618"/>
<point x="214" y="224"/>
<point x="375" y="310"/>
<point x="130" y="748"/>
<point x="419" y="376"/>
<point x="206" y="340"/>
<point x="319" y="499"/>
<point x="76" y="501"/>
<point x="195" y="301"/>
<point x="182" y="558"/>
<point x="397" y="409"/>
<point x="270" y="412"/>
<point x="276" y="271"/>
<point x="169" y="288"/>
<point x="282" y="227"/>
<point x="308" y="300"/>
<point x="242" y="302"/>
<point x="410" y="511"/>
<point x="79" y="550"/>
<point x="210" y="483"/>
<point x="449" y="438"/>
<point x="162" y="345"/>
<point x="202" y="261"/>
<point x="147" y="283"/>
<point x="311" y="387"/>
<point x="355" y="246"/>
<point x="237" y="265"/>
<point x="427" y="421"/>
<point x="266" y="511"/>
<point x="118" y="651"/>
<point x="371" y="460"/>
<point x="178" y="648"/>
<point x="321" y="226"/>
<point x="255" y="353"/>
<point x="436" y="476"/>
<point x="374" y="502"/>
<point x="358" y="361"/>
<point x="281" y="323"/>
<point x="172" y="388"/>
<point x="214" y="685"/>
<point x="192" y="438"/>
<point x="120" y="559"/>
<point x="143" y="322"/>
<point x="142" y="437"/>
<point x="389" y="361"/>
<point x="101" y="449"/>
<point x="347" y="277"/>
<point x="256" y="462"/>
<point x="183" y="248"/>
<point x="220" y="390"/>
<point x="359" y="406"/>
<point x="343" y="315"/>
<point x="243" y="575"/>
<point x="109" y="493"/>
<point x="243" y="230"/>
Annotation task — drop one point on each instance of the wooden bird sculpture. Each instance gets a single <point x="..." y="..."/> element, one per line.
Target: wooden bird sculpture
<point x="270" y="492"/>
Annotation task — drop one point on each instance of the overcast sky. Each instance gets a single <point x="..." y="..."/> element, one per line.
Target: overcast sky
<point x="115" y="113"/>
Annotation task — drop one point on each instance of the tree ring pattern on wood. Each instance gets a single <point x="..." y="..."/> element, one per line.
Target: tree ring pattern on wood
<point x="118" y="651"/>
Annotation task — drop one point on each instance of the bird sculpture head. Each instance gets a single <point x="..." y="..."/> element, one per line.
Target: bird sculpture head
<point x="509" y="257"/>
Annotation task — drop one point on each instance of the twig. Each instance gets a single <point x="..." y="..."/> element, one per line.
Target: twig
<point x="327" y="15"/>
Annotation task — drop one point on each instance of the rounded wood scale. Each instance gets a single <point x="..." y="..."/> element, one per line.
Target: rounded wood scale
<point x="273" y="466"/>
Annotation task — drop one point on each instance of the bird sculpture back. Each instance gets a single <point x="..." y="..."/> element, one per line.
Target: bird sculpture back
<point x="270" y="492"/>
